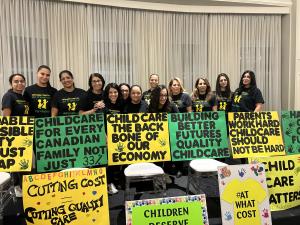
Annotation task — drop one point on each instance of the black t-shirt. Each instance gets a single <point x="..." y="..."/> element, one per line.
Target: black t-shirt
<point x="223" y="102"/>
<point x="171" y="109"/>
<point x="182" y="101"/>
<point x="136" y="108"/>
<point x="201" y="104"/>
<point x="91" y="98"/>
<point x="246" y="100"/>
<point x="39" y="99"/>
<point x="147" y="96"/>
<point x="16" y="103"/>
<point x="68" y="103"/>
<point x="113" y="108"/>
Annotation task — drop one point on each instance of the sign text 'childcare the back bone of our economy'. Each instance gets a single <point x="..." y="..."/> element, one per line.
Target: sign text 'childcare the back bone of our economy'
<point x="141" y="137"/>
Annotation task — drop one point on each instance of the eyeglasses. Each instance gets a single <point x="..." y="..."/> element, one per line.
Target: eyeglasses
<point x="124" y="90"/>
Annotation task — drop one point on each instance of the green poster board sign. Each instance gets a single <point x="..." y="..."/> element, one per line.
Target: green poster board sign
<point x="69" y="142"/>
<point x="290" y="121"/>
<point x="184" y="210"/>
<point x="198" y="135"/>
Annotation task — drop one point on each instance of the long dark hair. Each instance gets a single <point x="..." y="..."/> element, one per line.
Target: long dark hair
<point x="154" y="101"/>
<point x="218" y="87"/>
<point x="252" y="83"/>
<point x="127" y="85"/>
<point x="67" y="72"/>
<point x="130" y="90"/>
<point x="99" y="76"/>
<point x="44" y="67"/>
<point x="196" y="93"/>
<point x="106" y="93"/>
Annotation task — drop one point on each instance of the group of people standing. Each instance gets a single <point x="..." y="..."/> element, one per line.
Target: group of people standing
<point x="42" y="100"/>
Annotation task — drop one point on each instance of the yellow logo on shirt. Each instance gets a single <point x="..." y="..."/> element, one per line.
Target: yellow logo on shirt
<point x="199" y="108"/>
<point x="237" y="98"/>
<point x="223" y="105"/>
<point x="42" y="103"/>
<point x="72" y="106"/>
<point x="26" y="112"/>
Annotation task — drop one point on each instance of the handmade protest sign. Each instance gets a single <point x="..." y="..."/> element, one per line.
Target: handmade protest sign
<point x="255" y="134"/>
<point x="70" y="141"/>
<point x="283" y="180"/>
<point x="16" y="140"/>
<point x="244" y="195"/>
<point x="72" y="197"/>
<point x="137" y="137"/>
<point x="185" y="210"/>
<point x="291" y="131"/>
<point x="198" y="135"/>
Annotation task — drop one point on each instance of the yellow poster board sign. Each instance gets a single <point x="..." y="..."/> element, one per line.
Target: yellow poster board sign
<point x="283" y="180"/>
<point x="73" y="197"/>
<point x="255" y="134"/>
<point x="244" y="195"/>
<point x="16" y="143"/>
<point x="140" y="137"/>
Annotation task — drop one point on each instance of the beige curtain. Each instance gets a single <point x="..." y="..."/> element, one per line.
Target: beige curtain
<point x="244" y="42"/>
<point x="126" y="45"/>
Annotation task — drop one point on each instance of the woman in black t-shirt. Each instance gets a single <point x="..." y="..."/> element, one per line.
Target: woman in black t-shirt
<point x="202" y="97"/>
<point x="125" y="88"/>
<point x="223" y="93"/>
<point x="40" y="95"/>
<point x="113" y="99"/>
<point x="184" y="104"/>
<point x="178" y="97"/>
<point x="247" y="98"/>
<point x="67" y="101"/>
<point x="13" y="102"/>
<point x="136" y="104"/>
<point x="153" y="82"/>
<point x="94" y="98"/>
<point x="160" y="102"/>
<point x="113" y="105"/>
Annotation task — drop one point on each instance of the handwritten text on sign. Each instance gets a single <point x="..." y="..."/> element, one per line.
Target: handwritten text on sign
<point x="141" y="137"/>
<point x="72" y="197"/>
<point x="71" y="141"/>
<point x="198" y="135"/>
<point x="255" y="134"/>
<point x="283" y="180"/>
<point x="16" y="143"/>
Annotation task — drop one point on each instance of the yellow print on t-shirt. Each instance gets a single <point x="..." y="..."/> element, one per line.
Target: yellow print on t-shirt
<point x="72" y="106"/>
<point x="42" y="103"/>
<point x="199" y="108"/>
<point x="223" y="106"/>
<point x="237" y="98"/>
<point x="245" y="196"/>
<point x="26" y="112"/>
